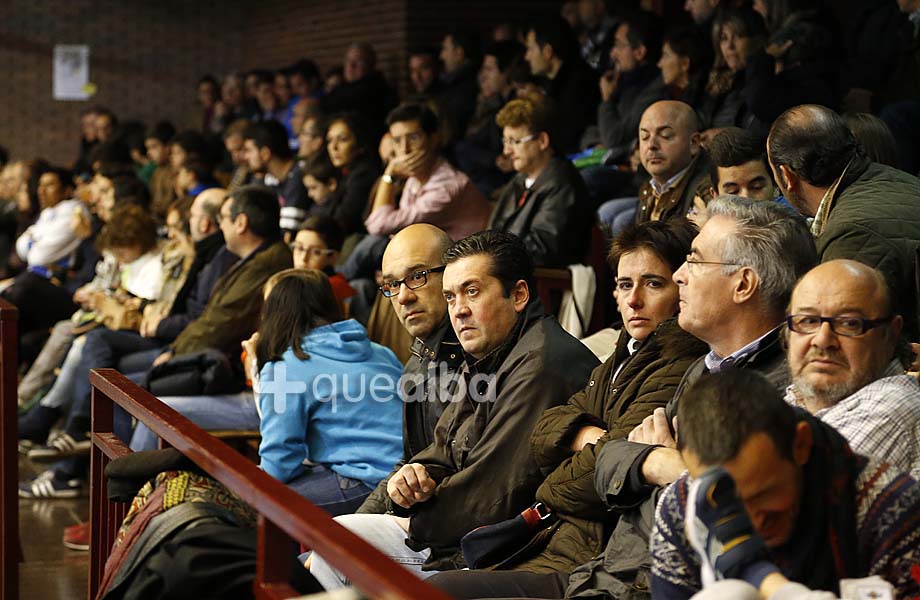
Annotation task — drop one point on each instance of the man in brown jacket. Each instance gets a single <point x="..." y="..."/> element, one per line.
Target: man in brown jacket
<point x="669" y="148"/>
<point x="479" y="469"/>
<point x="249" y="220"/>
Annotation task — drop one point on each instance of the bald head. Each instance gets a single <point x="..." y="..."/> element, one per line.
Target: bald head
<point x="830" y="361"/>
<point x="204" y="215"/>
<point x="422" y="240"/>
<point x="853" y="283"/>
<point x="812" y="142"/>
<point x="668" y="139"/>
<point x="414" y="249"/>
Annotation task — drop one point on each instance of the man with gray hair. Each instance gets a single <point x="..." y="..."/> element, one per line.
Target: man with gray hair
<point x="734" y="288"/>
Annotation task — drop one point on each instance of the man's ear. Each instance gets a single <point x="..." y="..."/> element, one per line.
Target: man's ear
<point x="747" y="283"/>
<point x="547" y="51"/>
<point x="792" y="180"/>
<point x="641" y="53"/>
<point x="713" y="193"/>
<point x="894" y="330"/>
<point x="520" y="295"/>
<point x="543" y="140"/>
<point x="801" y="445"/>
<point x="265" y="154"/>
<point x="242" y="222"/>
<point x="333" y="183"/>
<point x="695" y="138"/>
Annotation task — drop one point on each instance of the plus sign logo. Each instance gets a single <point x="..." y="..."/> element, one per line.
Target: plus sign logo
<point x="279" y="387"/>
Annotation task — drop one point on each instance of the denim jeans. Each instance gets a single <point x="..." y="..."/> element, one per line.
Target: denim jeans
<point x="616" y="215"/>
<point x="102" y="349"/>
<point x="381" y="531"/>
<point x="336" y="494"/>
<point x="234" y="412"/>
<point x="52" y="355"/>
<point x="61" y="393"/>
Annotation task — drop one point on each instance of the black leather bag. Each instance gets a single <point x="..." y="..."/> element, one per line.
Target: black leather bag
<point x="207" y="372"/>
<point x="490" y="545"/>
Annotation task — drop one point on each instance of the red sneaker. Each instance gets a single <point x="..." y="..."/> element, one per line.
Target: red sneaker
<point x="76" y="537"/>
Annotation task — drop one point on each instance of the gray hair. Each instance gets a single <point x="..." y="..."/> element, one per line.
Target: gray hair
<point x="772" y="240"/>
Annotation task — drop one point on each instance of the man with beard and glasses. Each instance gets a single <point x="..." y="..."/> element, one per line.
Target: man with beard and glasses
<point x="843" y="360"/>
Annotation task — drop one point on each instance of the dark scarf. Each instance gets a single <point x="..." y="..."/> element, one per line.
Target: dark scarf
<point x="824" y="547"/>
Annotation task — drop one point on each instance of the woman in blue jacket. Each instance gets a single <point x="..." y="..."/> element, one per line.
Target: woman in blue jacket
<point x="331" y="415"/>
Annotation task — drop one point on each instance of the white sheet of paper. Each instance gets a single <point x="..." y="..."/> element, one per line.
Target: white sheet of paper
<point x="71" y="72"/>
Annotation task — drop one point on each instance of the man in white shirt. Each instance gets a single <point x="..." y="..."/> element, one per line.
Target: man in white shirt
<point x="842" y="343"/>
<point x="47" y="247"/>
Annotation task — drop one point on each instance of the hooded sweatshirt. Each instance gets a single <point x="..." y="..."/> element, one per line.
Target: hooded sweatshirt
<point x="339" y="408"/>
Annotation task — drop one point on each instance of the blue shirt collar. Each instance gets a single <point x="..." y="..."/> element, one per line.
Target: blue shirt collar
<point x="715" y="363"/>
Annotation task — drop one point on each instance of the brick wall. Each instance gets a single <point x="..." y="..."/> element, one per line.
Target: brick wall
<point x="145" y="58"/>
<point x="280" y="32"/>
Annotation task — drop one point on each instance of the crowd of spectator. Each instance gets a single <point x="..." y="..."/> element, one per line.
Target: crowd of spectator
<point x="354" y="276"/>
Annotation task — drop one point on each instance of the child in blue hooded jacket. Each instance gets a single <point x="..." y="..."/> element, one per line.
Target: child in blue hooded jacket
<point x="331" y="414"/>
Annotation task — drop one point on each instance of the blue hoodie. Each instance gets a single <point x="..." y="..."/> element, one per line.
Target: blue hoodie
<point x="341" y="409"/>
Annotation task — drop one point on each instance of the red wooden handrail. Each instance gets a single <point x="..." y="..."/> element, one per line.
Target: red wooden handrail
<point x="284" y="514"/>
<point x="10" y="550"/>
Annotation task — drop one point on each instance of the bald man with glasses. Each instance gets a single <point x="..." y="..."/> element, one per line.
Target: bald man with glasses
<point x="412" y="271"/>
<point x="843" y="354"/>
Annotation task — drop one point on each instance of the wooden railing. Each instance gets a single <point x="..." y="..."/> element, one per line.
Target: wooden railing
<point x="10" y="550"/>
<point x="284" y="515"/>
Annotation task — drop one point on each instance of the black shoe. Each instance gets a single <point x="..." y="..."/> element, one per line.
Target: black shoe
<point x="36" y="424"/>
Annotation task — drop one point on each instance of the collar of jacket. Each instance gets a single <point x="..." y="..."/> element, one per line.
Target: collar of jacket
<point x="265" y="245"/>
<point x="858" y="167"/>
<point x="441" y="345"/>
<point x="770" y="346"/>
<point x="550" y="173"/>
<point x="491" y="362"/>
<point x="669" y="197"/>
<point x="207" y="247"/>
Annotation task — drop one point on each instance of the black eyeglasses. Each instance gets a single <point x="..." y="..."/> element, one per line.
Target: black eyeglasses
<point x="845" y="326"/>
<point x="692" y="262"/>
<point x="413" y="281"/>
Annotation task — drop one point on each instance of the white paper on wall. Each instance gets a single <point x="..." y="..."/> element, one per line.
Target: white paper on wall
<point x="71" y="72"/>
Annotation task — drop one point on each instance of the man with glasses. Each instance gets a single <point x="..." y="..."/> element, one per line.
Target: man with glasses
<point x="249" y="220"/>
<point x="412" y="273"/>
<point x="517" y="363"/>
<point x="546" y="203"/>
<point x="734" y="288"/>
<point x="843" y="343"/>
